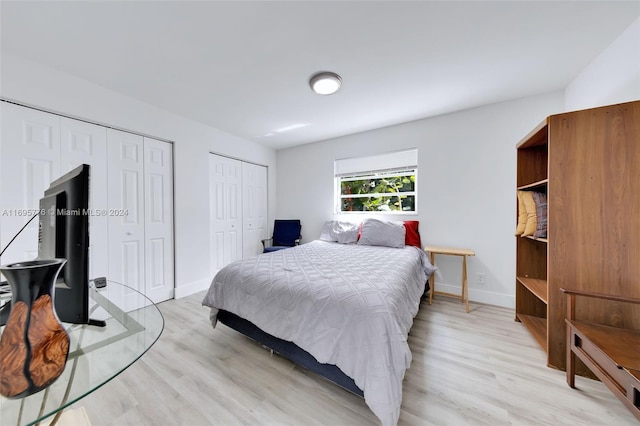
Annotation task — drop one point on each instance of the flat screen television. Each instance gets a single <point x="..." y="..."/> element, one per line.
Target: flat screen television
<point x="63" y="232"/>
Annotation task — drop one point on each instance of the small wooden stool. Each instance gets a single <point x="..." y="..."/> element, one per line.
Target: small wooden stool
<point x="433" y="250"/>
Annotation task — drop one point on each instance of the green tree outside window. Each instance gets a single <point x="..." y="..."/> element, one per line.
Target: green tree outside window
<point x="384" y="192"/>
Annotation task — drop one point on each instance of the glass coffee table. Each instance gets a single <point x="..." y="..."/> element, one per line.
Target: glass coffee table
<point x="96" y="354"/>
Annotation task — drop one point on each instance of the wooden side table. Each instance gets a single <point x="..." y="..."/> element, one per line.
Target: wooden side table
<point x="433" y="250"/>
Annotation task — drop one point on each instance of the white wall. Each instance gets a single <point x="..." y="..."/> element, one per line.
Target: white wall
<point x="612" y="77"/>
<point x="467" y="169"/>
<point x="31" y="84"/>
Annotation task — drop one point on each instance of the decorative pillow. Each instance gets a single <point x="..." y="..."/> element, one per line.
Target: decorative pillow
<point x="530" y="208"/>
<point x="377" y="232"/>
<point x="327" y="232"/>
<point x="522" y="215"/>
<point x="347" y="233"/>
<point x="341" y="232"/>
<point x="540" y="199"/>
<point x="412" y="237"/>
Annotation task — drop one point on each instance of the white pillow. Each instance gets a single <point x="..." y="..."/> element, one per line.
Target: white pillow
<point x="342" y="232"/>
<point x="327" y="233"/>
<point x="348" y="233"/>
<point x="377" y="232"/>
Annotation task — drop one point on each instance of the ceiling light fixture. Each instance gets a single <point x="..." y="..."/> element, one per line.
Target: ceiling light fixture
<point x="325" y="83"/>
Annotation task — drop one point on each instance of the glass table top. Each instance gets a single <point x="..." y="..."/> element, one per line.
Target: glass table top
<point x="96" y="354"/>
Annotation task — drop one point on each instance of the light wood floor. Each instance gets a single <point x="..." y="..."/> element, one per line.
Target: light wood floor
<point x="480" y="368"/>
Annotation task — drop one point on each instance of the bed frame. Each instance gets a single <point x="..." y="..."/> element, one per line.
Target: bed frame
<point x="290" y="351"/>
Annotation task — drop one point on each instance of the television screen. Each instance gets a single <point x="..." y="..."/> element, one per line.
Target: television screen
<point x="64" y="233"/>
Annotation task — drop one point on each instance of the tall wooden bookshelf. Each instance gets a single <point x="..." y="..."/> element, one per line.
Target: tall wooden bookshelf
<point x="588" y="164"/>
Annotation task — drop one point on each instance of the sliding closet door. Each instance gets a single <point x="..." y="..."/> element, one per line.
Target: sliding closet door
<point x="238" y="209"/>
<point x="126" y="204"/>
<point x="158" y="231"/>
<point x="225" y="206"/>
<point x="37" y="148"/>
<point x="217" y="212"/>
<point x="140" y="197"/>
<point x="131" y="194"/>
<point x="86" y="143"/>
<point x="254" y="208"/>
<point x="29" y="162"/>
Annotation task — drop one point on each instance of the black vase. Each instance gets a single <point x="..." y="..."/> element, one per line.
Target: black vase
<point x="34" y="346"/>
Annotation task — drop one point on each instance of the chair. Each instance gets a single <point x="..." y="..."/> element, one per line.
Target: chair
<point x="286" y="233"/>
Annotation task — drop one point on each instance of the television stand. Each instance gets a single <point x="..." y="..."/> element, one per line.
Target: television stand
<point x="97" y="323"/>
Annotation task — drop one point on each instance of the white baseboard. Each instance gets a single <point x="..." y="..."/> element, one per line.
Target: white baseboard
<point x="191" y="288"/>
<point x="481" y="296"/>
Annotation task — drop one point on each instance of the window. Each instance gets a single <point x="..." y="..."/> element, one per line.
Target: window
<point x="382" y="183"/>
<point x="379" y="192"/>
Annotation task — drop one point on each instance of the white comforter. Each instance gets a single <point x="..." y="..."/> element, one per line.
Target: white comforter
<point x="348" y="305"/>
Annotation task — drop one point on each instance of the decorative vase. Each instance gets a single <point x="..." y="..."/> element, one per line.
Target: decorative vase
<point x="34" y="346"/>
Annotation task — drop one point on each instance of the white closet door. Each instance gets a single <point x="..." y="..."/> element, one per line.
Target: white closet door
<point x="254" y="208"/>
<point x="218" y="225"/>
<point x="233" y="193"/>
<point x="86" y="143"/>
<point x="225" y="206"/>
<point x="158" y="178"/>
<point x="128" y="243"/>
<point x="29" y="162"/>
<point x="126" y="203"/>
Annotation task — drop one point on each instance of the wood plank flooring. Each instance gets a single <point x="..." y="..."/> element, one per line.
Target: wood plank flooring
<point x="480" y="368"/>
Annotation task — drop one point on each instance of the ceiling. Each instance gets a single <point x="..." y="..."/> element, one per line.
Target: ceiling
<point x="243" y="67"/>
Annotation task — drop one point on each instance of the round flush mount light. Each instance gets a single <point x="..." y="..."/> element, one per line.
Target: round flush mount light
<point x="325" y="83"/>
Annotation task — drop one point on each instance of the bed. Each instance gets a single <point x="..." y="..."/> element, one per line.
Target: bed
<point x="348" y="306"/>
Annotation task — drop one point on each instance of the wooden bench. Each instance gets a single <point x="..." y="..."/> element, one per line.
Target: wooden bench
<point x="611" y="353"/>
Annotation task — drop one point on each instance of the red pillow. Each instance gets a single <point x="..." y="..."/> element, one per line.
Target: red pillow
<point x="412" y="236"/>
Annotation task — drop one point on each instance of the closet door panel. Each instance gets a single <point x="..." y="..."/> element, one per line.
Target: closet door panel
<point x="233" y="195"/>
<point x="254" y="208"/>
<point x="158" y="172"/>
<point x="86" y="143"/>
<point x="218" y="224"/>
<point x="29" y="162"/>
<point x="126" y="209"/>
<point x="225" y="206"/>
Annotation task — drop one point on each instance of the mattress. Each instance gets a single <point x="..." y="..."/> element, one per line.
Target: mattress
<point x="346" y="304"/>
